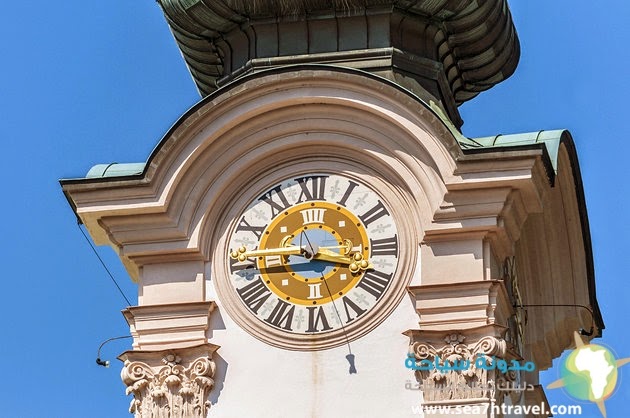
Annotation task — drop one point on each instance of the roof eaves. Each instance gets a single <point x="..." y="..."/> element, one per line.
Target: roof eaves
<point x="549" y="142"/>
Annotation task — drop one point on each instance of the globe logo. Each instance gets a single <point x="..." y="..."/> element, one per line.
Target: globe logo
<point x="589" y="373"/>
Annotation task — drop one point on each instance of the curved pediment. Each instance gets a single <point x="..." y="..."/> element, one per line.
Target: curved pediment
<point x="255" y="128"/>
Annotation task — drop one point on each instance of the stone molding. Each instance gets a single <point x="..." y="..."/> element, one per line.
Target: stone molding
<point x="169" y="326"/>
<point x="442" y="307"/>
<point x="169" y="383"/>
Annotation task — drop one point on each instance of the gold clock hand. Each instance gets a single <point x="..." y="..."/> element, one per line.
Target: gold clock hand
<point x="346" y="246"/>
<point x="356" y="263"/>
<point x="327" y="255"/>
<point x="241" y="254"/>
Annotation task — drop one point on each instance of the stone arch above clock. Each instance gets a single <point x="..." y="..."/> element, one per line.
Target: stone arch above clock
<point x="263" y="122"/>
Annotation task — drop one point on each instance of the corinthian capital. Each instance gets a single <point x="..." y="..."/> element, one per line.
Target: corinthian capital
<point x="469" y="347"/>
<point x="169" y="383"/>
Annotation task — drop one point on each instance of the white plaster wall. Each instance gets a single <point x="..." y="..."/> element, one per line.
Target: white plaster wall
<point x="254" y="379"/>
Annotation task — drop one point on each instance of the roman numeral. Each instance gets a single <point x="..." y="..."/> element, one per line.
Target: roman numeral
<point x="385" y="246"/>
<point x="313" y="188"/>
<point x="374" y="282"/>
<point x="254" y="295"/>
<point x="236" y="265"/>
<point x="243" y="225"/>
<point x="346" y="195"/>
<point x="313" y="216"/>
<point x="356" y="308"/>
<point x="273" y="261"/>
<point x="280" y="316"/>
<point x="272" y="197"/>
<point x="314" y="291"/>
<point x="373" y="214"/>
<point x="317" y="322"/>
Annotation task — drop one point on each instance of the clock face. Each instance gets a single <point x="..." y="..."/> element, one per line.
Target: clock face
<point x="313" y="254"/>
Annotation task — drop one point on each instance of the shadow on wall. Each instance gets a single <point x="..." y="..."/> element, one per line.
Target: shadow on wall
<point x="216" y="323"/>
<point x="219" y="378"/>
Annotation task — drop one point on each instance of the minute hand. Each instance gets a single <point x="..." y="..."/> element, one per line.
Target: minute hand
<point x="242" y="255"/>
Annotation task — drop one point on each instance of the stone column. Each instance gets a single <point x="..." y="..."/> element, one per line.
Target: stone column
<point x="170" y="370"/>
<point x="170" y="383"/>
<point x="463" y="323"/>
<point x="466" y="314"/>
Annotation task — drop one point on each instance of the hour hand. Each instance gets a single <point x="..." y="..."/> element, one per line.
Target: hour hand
<point x="241" y="254"/>
<point x="355" y="262"/>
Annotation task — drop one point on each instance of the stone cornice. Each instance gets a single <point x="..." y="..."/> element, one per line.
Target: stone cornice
<point x="476" y="304"/>
<point x="169" y="325"/>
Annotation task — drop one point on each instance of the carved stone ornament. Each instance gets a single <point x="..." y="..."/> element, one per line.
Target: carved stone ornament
<point x="465" y="383"/>
<point x="169" y="384"/>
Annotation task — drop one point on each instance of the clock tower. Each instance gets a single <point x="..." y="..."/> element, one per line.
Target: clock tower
<point x="316" y="238"/>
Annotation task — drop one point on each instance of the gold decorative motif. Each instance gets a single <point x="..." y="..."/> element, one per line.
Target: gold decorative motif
<point x="287" y="235"/>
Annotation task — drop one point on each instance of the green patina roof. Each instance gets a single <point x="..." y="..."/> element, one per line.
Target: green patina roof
<point x="474" y="42"/>
<point x="115" y="170"/>
<point x="551" y="140"/>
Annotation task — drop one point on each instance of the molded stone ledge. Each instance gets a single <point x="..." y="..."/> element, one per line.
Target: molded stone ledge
<point x="466" y="305"/>
<point x="169" y="326"/>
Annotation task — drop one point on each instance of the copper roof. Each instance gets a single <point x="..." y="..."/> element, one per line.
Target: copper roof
<point x="474" y="41"/>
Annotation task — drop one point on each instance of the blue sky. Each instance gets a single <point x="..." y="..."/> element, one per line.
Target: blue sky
<point x="92" y="82"/>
